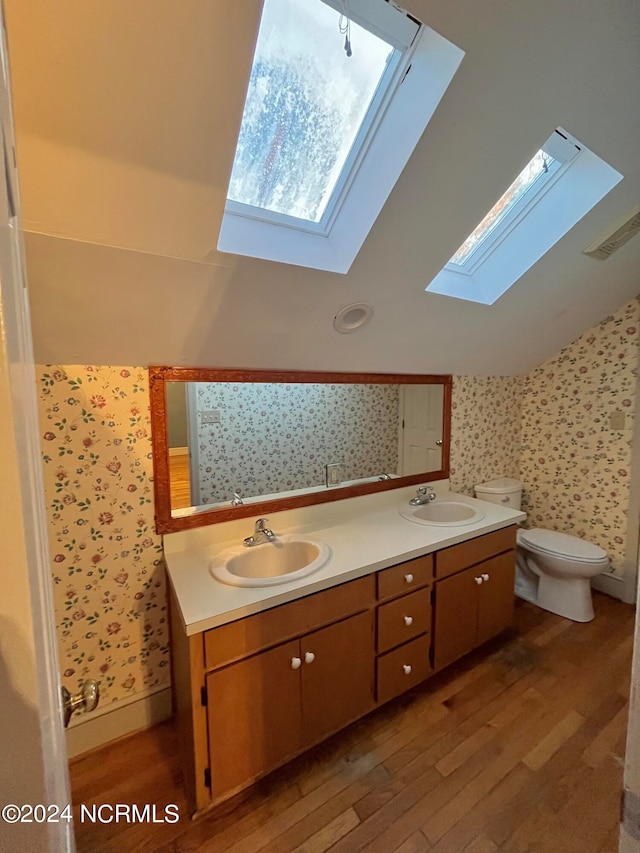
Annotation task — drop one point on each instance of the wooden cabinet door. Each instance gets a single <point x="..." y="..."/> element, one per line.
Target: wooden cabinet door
<point x="254" y="716"/>
<point x="456" y="617"/>
<point x="495" y="610"/>
<point x="337" y="676"/>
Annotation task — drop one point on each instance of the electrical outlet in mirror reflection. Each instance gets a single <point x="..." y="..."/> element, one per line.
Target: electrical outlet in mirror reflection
<point x="334" y="474"/>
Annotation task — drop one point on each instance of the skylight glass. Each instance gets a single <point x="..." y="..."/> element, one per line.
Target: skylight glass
<point x="558" y="186"/>
<point x="306" y="104"/>
<point x="537" y="168"/>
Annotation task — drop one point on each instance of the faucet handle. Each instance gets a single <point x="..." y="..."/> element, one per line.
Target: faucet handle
<point x="261" y="523"/>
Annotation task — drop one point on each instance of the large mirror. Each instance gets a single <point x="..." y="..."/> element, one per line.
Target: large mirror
<point x="229" y="443"/>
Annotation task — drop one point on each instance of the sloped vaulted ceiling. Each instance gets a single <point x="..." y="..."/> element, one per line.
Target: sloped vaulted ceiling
<point x="127" y="116"/>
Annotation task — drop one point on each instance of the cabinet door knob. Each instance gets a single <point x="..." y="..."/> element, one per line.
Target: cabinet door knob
<point x="409" y="578"/>
<point x="478" y="581"/>
<point x="485" y="577"/>
<point x="296" y="663"/>
<point x="309" y="657"/>
<point x="506" y="499"/>
<point x="408" y="620"/>
<point x="406" y="669"/>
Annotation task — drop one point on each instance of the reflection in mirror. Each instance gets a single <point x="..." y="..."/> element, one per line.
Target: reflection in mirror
<point x="238" y="441"/>
<point x="230" y="444"/>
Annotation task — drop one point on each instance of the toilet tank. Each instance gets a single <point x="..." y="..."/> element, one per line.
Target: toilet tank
<point x="504" y="491"/>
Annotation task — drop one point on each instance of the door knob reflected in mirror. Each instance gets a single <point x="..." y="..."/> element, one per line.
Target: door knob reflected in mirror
<point x="87" y="699"/>
<point x="439" y="442"/>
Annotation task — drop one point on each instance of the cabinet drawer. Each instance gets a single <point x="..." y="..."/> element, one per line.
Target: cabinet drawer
<point x="451" y="560"/>
<point x="403" y="668"/>
<point x="247" y="636"/>
<point x="403" y="619"/>
<point x="403" y="578"/>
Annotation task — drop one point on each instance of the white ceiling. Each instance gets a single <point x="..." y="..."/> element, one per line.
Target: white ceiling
<point x="127" y="116"/>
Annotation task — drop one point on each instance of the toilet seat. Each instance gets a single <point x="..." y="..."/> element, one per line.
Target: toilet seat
<point x="553" y="543"/>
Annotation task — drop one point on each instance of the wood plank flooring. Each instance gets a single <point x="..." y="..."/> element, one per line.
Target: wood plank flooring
<point x="179" y="481"/>
<point x="518" y="747"/>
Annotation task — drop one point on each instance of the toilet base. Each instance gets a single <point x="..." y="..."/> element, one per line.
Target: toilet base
<point x="565" y="596"/>
<point x="570" y="598"/>
<point x="525" y="595"/>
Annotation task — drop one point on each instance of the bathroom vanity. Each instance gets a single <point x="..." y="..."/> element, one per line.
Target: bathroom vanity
<point x="255" y="691"/>
<point x="408" y="582"/>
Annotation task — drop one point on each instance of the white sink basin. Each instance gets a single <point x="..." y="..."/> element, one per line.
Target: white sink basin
<point x="285" y="559"/>
<point x="442" y="513"/>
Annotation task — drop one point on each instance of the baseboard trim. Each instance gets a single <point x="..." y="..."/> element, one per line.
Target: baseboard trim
<point x="113" y="721"/>
<point x="612" y="585"/>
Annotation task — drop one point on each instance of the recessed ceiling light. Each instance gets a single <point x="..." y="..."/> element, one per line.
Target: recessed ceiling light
<point x="352" y="317"/>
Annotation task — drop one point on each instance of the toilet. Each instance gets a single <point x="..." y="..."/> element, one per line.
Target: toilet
<point x="553" y="570"/>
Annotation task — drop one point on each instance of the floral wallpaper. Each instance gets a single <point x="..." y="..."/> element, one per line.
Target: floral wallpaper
<point x="485" y="429"/>
<point x="109" y="588"/>
<point x="551" y="428"/>
<point x="273" y="438"/>
<point x="575" y="466"/>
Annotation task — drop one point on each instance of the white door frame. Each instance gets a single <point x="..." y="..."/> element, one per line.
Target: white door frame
<point x="33" y="767"/>
<point x="194" y="445"/>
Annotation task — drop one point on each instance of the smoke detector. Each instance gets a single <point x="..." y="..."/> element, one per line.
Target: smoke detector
<point x="623" y="230"/>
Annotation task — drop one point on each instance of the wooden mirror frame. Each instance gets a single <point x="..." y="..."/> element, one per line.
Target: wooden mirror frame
<point x="159" y="376"/>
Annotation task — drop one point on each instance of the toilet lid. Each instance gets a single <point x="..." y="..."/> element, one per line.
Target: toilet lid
<point x="571" y="547"/>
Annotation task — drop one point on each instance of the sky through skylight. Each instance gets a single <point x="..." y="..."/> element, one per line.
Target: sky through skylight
<point x="305" y="105"/>
<point x="539" y="165"/>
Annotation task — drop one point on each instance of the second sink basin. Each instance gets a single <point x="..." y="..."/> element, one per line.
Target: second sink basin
<point x="442" y="513"/>
<point x="286" y="559"/>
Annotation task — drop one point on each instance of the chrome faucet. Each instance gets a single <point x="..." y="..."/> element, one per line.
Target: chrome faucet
<point x="261" y="533"/>
<point x="424" y="495"/>
<point x="237" y="500"/>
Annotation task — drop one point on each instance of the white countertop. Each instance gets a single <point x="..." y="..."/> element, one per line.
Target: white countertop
<point x="360" y="542"/>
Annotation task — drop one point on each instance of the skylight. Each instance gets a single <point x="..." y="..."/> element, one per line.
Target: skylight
<point x="540" y="167"/>
<point x="557" y="187"/>
<point x="331" y="117"/>
<point x="306" y="104"/>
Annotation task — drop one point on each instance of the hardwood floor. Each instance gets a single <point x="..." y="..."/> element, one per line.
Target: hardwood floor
<point x="518" y="747"/>
<point x="179" y="481"/>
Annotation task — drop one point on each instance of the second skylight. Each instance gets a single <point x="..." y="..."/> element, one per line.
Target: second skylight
<point x="540" y="166"/>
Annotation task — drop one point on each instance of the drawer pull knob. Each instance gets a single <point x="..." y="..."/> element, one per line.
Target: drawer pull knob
<point x="309" y="657"/>
<point x="485" y="577"/>
<point x="506" y="499"/>
<point x="478" y="581"/>
<point x="406" y="669"/>
<point x="408" y="620"/>
<point x="409" y="578"/>
<point x="296" y="663"/>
